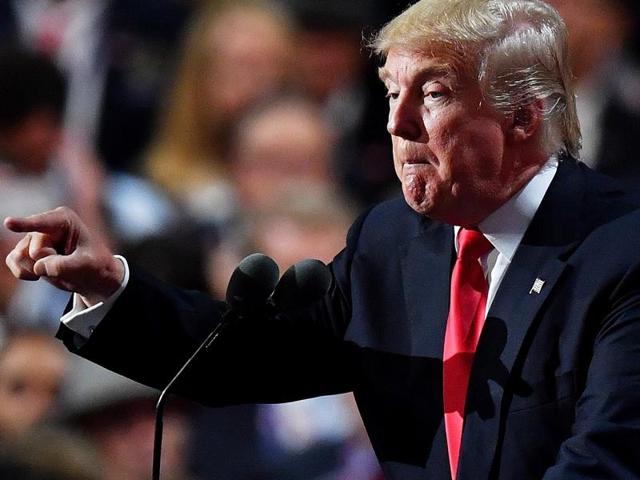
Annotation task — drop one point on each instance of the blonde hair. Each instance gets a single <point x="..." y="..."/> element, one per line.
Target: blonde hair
<point x="517" y="50"/>
<point x="187" y="148"/>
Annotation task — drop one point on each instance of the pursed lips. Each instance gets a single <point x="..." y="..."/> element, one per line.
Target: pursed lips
<point x="416" y="162"/>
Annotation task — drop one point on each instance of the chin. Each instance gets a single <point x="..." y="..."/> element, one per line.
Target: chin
<point x="432" y="206"/>
<point x="421" y="204"/>
<point x="418" y="195"/>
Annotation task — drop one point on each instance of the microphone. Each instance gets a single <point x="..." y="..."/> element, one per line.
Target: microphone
<point x="302" y="284"/>
<point x="249" y="288"/>
<point x="251" y="283"/>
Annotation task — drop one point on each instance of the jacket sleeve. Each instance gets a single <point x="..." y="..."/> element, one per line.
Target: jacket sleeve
<point x="153" y="328"/>
<point x="605" y="441"/>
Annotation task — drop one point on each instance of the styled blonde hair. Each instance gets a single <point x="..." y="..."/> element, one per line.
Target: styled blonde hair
<point x="517" y="50"/>
<point x="187" y="148"/>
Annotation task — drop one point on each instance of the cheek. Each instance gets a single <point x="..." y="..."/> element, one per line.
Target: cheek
<point x="444" y="138"/>
<point x="478" y="150"/>
<point x="489" y="147"/>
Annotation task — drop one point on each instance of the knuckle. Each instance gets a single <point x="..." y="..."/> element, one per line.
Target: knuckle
<point x="21" y="272"/>
<point x="12" y="265"/>
<point x="67" y="212"/>
<point x="23" y="244"/>
<point x="13" y="258"/>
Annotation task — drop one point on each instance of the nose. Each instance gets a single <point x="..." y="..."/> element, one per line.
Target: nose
<point x="405" y="119"/>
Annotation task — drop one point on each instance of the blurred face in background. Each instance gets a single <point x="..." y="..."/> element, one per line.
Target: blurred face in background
<point x="304" y="221"/>
<point x="288" y="240"/>
<point x="328" y="61"/>
<point x="124" y="434"/>
<point x="597" y="29"/>
<point x="284" y="144"/>
<point x="31" y="370"/>
<point x="30" y="145"/>
<point x="249" y="51"/>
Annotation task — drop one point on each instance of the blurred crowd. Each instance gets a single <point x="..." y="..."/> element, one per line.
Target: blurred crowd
<point x="189" y="133"/>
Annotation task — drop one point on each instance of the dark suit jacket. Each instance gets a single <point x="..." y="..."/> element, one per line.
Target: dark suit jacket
<point x="555" y="386"/>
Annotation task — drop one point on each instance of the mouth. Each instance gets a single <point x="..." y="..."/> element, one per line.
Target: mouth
<point x="418" y="158"/>
<point x="417" y="162"/>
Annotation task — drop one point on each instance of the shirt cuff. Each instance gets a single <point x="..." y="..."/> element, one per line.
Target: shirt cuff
<point x="83" y="319"/>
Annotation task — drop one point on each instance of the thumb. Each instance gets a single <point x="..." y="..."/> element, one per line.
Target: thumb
<point x="42" y="252"/>
<point x="50" y="266"/>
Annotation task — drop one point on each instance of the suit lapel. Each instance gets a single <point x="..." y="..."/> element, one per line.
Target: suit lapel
<point x="426" y="271"/>
<point x="536" y="267"/>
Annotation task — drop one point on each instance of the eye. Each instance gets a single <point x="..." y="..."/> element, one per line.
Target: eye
<point x="435" y="91"/>
<point x="434" y="94"/>
<point x="391" y="95"/>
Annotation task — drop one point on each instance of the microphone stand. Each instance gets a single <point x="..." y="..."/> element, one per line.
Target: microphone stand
<point x="162" y="400"/>
<point x="252" y="282"/>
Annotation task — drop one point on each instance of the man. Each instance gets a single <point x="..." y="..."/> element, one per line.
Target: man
<point x="540" y="376"/>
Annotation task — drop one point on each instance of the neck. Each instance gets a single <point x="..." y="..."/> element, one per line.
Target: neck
<point x="519" y="171"/>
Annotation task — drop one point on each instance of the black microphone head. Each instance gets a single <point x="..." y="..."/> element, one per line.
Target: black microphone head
<point x="251" y="283"/>
<point x="302" y="284"/>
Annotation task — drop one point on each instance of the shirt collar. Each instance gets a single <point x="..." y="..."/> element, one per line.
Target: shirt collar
<point x="506" y="226"/>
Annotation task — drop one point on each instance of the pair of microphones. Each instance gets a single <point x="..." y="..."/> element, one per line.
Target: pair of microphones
<point x="254" y="284"/>
<point x="253" y="288"/>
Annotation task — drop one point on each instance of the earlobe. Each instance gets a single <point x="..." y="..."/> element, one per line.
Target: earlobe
<point x="526" y="120"/>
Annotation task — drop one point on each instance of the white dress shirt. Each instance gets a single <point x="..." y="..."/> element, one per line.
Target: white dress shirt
<point x="83" y="319"/>
<point x="504" y="228"/>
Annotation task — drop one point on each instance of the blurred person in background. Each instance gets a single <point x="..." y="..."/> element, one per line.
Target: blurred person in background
<point x="321" y="438"/>
<point x="333" y="68"/>
<point x="280" y="142"/>
<point x="32" y="368"/>
<point x="50" y="454"/>
<point x="302" y="220"/>
<point x="607" y="80"/>
<point x="68" y="32"/>
<point x="36" y="156"/>
<point x="116" y="54"/>
<point x="41" y="166"/>
<point x="280" y="157"/>
<point x="37" y="170"/>
<point x="118" y="417"/>
<point x="235" y="53"/>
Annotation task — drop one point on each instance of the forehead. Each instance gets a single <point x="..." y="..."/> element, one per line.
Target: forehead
<point x="407" y="66"/>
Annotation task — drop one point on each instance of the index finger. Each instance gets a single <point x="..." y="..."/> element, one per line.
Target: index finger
<point x="51" y="222"/>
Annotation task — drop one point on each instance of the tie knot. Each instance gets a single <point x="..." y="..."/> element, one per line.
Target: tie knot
<point x="472" y="244"/>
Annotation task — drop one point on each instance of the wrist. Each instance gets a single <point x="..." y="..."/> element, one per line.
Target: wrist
<point x="111" y="279"/>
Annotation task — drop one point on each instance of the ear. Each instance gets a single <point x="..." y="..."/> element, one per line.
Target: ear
<point x="525" y="121"/>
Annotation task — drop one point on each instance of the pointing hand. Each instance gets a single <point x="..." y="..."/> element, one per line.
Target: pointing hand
<point x="59" y="248"/>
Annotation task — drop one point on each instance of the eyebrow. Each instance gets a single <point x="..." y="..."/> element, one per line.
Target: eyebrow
<point x="423" y="74"/>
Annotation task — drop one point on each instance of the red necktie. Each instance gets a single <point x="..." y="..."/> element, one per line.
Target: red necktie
<point x="466" y="317"/>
